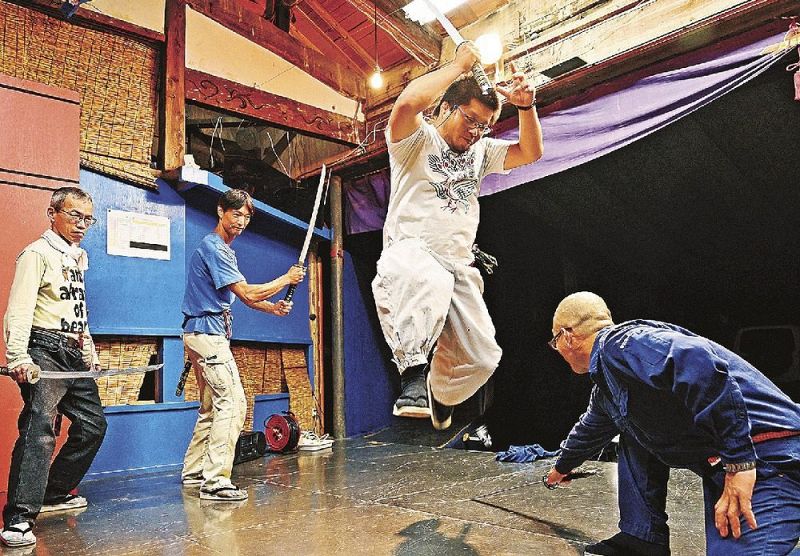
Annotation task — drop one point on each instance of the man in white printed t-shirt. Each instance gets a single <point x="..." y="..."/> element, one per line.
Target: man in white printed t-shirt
<point x="427" y="290"/>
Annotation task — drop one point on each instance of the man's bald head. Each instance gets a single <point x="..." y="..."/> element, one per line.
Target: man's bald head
<point x="583" y="312"/>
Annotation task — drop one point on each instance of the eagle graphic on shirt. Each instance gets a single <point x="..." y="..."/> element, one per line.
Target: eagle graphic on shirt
<point x="459" y="181"/>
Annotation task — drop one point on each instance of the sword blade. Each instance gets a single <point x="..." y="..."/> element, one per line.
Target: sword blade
<point x="92" y="374"/>
<point x="313" y="220"/>
<point x="452" y="32"/>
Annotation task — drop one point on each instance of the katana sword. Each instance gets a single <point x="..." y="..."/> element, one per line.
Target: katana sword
<point x="35" y="372"/>
<point x="301" y="261"/>
<point x="452" y="32"/>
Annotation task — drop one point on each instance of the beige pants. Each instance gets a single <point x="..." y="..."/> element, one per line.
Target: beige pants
<point x="223" y="407"/>
<point x="422" y="300"/>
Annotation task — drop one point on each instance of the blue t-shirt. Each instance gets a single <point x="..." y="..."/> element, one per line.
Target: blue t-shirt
<point x="212" y="269"/>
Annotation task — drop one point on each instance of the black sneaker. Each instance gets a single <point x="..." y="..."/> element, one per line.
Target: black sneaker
<point x="441" y="415"/>
<point x="413" y="400"/>
<point x="623" y="544"/>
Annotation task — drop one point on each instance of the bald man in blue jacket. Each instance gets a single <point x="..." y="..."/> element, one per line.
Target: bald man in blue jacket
<point x="677" y="399"/>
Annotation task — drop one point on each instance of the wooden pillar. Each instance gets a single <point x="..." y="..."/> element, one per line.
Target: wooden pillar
<point x="173" y="115"/>
<point x="337" y="309"/>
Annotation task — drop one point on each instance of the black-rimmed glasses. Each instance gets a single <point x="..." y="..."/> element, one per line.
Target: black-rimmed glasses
<point x="553" y="343"/>
<point x="76" y="217"/>
<point x="474" y="124"/>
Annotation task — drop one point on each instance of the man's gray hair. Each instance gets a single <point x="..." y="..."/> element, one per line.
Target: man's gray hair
<point x="60" y="196"/>
<point x="583" y="312"/>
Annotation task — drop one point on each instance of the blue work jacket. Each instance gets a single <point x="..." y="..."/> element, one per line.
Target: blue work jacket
<point x="683" y="397"/>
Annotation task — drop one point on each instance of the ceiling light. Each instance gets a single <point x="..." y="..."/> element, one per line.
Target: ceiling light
<point x="490" y="47"/>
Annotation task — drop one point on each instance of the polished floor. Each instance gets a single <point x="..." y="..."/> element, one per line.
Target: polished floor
<point x="363" y="496"/>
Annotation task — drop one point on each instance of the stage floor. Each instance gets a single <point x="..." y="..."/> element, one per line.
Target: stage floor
<point x="363" y="496"/>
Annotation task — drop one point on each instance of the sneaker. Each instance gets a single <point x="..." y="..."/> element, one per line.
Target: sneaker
<point x="310" y="441"/>
<point x="441" y="415"/>
<point x="69" y="502"/>
<point x="224" y="494"/>
<point x="413" y="400"/>
<point x="19" y="534"/>
<point x="623" y="544"/>
<point x="191" y="481"/>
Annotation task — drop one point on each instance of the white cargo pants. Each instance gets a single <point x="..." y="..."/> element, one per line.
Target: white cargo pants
<point x="421" y="298"/>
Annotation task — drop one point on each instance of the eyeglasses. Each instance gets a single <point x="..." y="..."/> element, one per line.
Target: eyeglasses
<point x="475" y="125"/>
<point x="76" y="217"/>
<point x="553" y="343"/>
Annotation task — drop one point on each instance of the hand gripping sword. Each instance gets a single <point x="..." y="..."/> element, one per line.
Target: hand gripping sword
<point x="452" y="32"/>
<point x="35" y="372"/>
<point x="301" y="261"/>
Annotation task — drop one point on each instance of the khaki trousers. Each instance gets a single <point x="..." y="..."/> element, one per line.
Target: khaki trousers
<point x="421" y="300"/>
<point x="223" y="407"/>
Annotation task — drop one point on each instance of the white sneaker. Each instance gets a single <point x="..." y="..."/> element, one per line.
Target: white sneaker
<point x="71" y="502"/>
<point x="309" y="441"/>
<point x="20" y="534"/>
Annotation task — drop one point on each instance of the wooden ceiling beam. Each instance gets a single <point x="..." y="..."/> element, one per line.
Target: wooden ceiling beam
<point x="365" y="57"/>
<point x="343" y="78"/>
<point x="356" y="62"/>
<point x="217" y="92"/>
<point x="418" y="41"/>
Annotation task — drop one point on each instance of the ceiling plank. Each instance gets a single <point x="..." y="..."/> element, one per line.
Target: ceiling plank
<point x="343" y="78"/>
<point x="333" y="44"/>
<point x="365" y="57"/>
<point x="234" y="97"/>
<point x="418" y="41"/>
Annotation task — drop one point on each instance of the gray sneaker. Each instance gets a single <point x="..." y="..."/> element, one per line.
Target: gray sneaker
<point x="413" y="399"/>
<point x="69" y="502"/>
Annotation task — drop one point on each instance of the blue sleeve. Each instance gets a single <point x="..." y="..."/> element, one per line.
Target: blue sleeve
<point x="690" y="368"/>
<point x="223" y="267"/>
<point x="593" y="431"/>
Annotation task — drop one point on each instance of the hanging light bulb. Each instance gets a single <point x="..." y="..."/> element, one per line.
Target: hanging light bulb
<point x="490" y="47"/>
<point x="376" y="79"/>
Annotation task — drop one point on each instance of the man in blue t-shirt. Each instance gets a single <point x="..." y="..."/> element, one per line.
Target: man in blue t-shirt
<point x="213" y="282"/>
<point x="677" y="399"/>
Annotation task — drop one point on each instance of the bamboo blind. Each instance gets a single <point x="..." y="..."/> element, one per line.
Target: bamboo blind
<point x="116" y="77"/>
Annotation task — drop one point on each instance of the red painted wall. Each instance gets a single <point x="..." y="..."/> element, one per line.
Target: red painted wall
<point x="39" y="151"/>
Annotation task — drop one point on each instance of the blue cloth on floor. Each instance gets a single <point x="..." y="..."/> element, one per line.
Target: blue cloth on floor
<point x="525" y="454"/>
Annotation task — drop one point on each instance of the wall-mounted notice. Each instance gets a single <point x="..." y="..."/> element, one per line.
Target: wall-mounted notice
<point x="132" y="234"/>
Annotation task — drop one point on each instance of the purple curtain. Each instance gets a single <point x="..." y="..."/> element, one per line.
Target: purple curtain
<point x="598" y="122"/>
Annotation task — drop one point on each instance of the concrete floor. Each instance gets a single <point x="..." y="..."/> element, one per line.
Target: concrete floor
<point x="363" y="496"/>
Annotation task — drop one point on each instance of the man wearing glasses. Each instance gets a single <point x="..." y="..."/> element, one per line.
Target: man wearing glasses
<point x="46" y="325"/>
<point x="427" y="290"/>
<point x="680" y="400"/>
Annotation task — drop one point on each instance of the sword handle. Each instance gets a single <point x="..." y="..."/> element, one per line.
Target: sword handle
<point x="290" y="293"/>
<point x="481" y="78"/>
<point x="32" y="374"/>
<point x="184" y="376"/>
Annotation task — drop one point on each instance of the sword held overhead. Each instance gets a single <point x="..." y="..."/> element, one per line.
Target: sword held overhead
<point x="455" y="36"/>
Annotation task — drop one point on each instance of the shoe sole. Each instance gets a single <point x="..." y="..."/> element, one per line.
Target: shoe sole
<point x="323" y="446"/>
<point x="438" y="425"/>
<point x="62" y="508"/>
<point x="16" y="545"/>
<point x="218" y="498"/>
<point x="411" y="411"/>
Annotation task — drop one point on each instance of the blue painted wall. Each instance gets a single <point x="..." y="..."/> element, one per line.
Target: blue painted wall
<point x="368" y="393"/>
<point x="142" y="297"/>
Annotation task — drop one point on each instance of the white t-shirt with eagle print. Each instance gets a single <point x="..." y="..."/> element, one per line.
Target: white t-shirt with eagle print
<point x="434" y="191"/>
